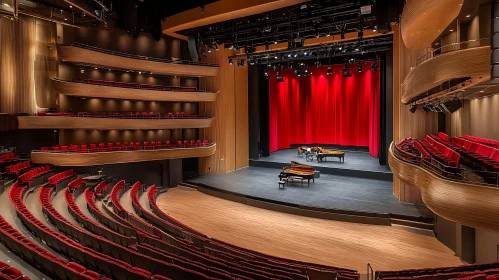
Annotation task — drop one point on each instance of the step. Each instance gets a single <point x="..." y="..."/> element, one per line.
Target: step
<point x="422" y="225"/>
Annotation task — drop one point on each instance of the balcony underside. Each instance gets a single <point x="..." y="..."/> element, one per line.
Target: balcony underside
<point x="97" y="91"/>
<point x="474" y="63"/>
<point x="62" y="122"/>
<point x="100" y="158"/>
<point x="468" y="204"/>
<point x="84" y="56"/>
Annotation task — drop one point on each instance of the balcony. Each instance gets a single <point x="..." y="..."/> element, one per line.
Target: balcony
<point x="101" y="156"/>
<point x="103" y="89"/>
<point x="84" y="54"/>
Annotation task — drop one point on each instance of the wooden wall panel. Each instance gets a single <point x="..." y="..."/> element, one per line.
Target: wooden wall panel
<point x="468" y="204"/>
<point x="46" y="63"/>
<point x="80" y="55"/>
<point x="60" y="122"/>
<point x="88" y="90"/>
<point x="406" y="124"/>
<point x="241" y="117"/>
<point x="89" y="159"/>
<point x="424" y="20"/>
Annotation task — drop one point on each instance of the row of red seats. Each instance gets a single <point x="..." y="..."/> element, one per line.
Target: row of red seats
<point x="137" y="86"/>
<point x="479" y="154"/>
<point x="33" y="254"/>
<point x="30" y="175"/>
<point x="127" y="146"/>
<point x="11" y="273"/>
<point x="485" y="141"/>
<point x="222" y="250"/>
<point x="443" y="153"/>
<point x="488" y="271"/>
<point x="59" y="177"/>
<point x="7" y="156"/>
<point x="125" y="260"/>
<point x="18" y="168"/>
<point x="76" y="183"/>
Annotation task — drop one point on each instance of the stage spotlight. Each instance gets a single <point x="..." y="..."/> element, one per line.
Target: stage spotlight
<point x="374" y="66"/>
<point x="329" y="70"/>
<point x="209" y="50"/>
<point x="346" y="72"/>
<point x="216" y="47"/>
<point x="295" y="55"/>
<point x="251" y="61"/>
<point x="280" y="79"/>
<point x="289" y="55"/>
<point x="375" y="28"/>
<point x="240" y="63"/>
<point x="230" y="61"/>
<point x="317" y="63"/>
<point x="266" y="74"/>
<point x="359" y="67"/>
<point x="426" y="108"/>
<point x="413" y="108"/>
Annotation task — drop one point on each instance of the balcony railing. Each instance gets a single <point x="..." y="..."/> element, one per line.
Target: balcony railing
<point x="470" y="44"/>
<point x="142" y="57"/>
<point x="128" y="148"/>
<point x="128" y="116"/>
<point x="463" y="174"/>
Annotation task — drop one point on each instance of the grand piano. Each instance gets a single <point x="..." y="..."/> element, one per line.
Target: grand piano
<point x="305" y="172"/>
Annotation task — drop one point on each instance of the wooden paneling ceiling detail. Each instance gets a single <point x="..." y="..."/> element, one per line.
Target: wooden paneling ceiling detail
<point x="220" y="11"/>
<point x="424" y="20"/>
<point x="473" y="63"/>
<point x="87" y="159"/>
<point x="472" y="205"/>
<point x="81" y="55"/>
<point x="62" y="122"/>
<point x="96" y="91"/>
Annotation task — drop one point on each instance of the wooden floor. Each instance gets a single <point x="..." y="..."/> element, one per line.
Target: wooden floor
<point x="342" y="244"/>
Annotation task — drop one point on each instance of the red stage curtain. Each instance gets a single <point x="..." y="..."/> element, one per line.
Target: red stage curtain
<point x="322" y="109"/>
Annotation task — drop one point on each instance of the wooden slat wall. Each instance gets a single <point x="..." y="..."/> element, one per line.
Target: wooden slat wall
<point x="406" y="124"/>
<point x="17" y="55"/>
<point x="46" y="64"/>
<point x="230" y="109"/>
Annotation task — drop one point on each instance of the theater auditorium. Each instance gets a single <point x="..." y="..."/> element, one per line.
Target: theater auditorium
<point x="256" y="139"/>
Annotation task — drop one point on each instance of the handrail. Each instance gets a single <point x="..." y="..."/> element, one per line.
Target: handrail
<point x="142" y="57"/>
<point x="126" y="149"/>
<point x="451" y="48"/>
<point x="441" y="172"/>
<point x="370" y="272"/>
<point x="127" y="85"/>
<point x="124" y="115"/>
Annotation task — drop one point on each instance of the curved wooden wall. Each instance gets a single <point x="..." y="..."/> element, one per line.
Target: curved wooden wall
<point x="96" y="91"/>
<point x="61" y="122"/>
<point x="424" y="20"/>
<point x="86" y="159"/>
<point x="81" y="55"/>
<point x="473" y="62"/>
<point x="472" y="205"/>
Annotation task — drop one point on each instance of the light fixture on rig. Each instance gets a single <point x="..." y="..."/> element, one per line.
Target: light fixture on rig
<point x="346" y="72"/>
<point x="359" y="67"/>
<point x="329" y="71"/>
<point x="374" y="66"/>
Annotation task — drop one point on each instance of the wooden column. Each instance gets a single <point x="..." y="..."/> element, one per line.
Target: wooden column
<point x="230" y="128"/>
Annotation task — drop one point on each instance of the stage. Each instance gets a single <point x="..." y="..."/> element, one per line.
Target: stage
<point x="358" y="195"/>
<point x="358" y="163"/>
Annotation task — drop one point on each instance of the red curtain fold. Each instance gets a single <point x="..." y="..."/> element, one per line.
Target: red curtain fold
<point x="322" y="109"/>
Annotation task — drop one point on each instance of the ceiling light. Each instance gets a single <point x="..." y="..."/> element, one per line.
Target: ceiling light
<point x="65" y="19"/>
<point x="70" y="6"/>
<point x="289" y="55"/>
<point x="468" y="15"/>
<point x="5" y="4"/>
<point x="275" y="57"/>
<point x="209" y="50"/>
<point x="140" y="72"/>
<point x="96" y="68"/>
<point x="230" y="61"/>
<point x="304" y="53"/>
<point x="451" y="30"/>
<point x="82" y="70"/>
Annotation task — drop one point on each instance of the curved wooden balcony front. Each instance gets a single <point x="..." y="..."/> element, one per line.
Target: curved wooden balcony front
<point x="99" y="91"/>
<point x="66" y="122"/>
<point x="462" y="202"/>
<point x="113" y="157"/>
<point x="87" y="56"/>
<point x="472" y="62"/>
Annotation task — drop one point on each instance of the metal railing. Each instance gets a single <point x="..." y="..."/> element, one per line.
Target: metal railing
<point x="130" y="85"/>
<point x="457" y="174"/>
<point x="370" y="272"/>
<point x="128" y="116"/>
<point x="142" y="57"/>
<point x="470" y="44"/>
<point x="127" y="149"/>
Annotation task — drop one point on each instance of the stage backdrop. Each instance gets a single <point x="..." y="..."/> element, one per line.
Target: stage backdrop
<point x="322" y="109"/>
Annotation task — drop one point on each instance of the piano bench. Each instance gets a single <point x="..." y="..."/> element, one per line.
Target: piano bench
<point x="281" y="184"/>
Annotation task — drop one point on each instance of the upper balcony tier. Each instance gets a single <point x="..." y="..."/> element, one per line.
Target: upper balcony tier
<point x="466" y="63"/>
<point x="129" y="91"/>
<point x="84" y="54"/>
<point x="108" y="121"/>
<point x="457" y="182"/>
<point x="88" y="156"/>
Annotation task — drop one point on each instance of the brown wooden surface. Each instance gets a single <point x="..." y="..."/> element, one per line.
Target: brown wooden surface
<point x="335" y="243"/>
<point x="220" y="11"/>
<point x="88" y="90"/>
<point x="61" y="122"/>
<point x="424" y="20"/>
<point x="473" y="62"/>
<point x="464" y="203"/>
<point x="81" y="55"/>
<point x="87" y="159"/>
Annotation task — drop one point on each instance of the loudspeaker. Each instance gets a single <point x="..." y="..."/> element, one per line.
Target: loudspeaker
<point x="387" y="12"/>
<point x="193" y="48"/>
<point x="452" y="105"/>
<point x="426" y="108"/>
<point x="413" y="108"/>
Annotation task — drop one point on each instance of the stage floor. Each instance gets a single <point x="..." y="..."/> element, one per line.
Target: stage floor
<point x="328" y="191"/>
<point x="354" y="160"/>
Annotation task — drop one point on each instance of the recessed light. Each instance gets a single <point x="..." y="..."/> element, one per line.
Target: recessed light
<point x="65" y="19"/>
<point x="5" y="4"/>
<point x="451" y="30"/>
<point x="140" y="72"/>
<point x="468" y="15"/>
<point x="96" y="68"/>
<point x="482" y="91"/>
<point x="70" y="6"/>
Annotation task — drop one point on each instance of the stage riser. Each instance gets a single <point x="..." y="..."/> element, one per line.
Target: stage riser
<point x="386" y="176"/>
